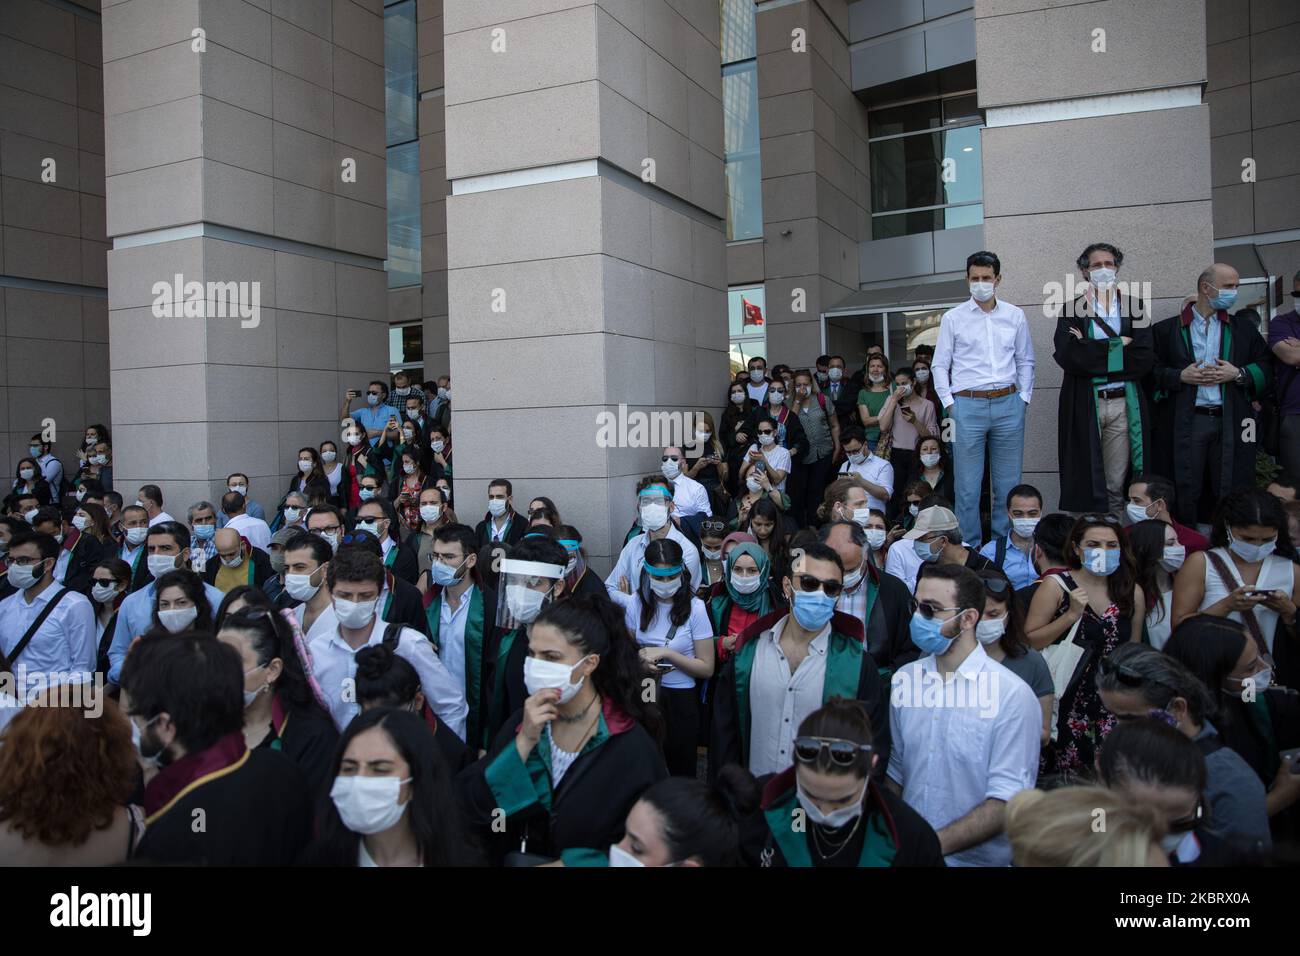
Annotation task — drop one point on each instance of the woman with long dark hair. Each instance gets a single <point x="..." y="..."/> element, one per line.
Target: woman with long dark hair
<point x="1249" y="575"/>
<point x="566" y="768"/>
<point x="392" y="802"/>
<point x="281" y="708"/>
<point x="675" y="636"/>
<point x="1001" y="632"/>
<point x="767" y="525"/>
<point x="1256" y="718"/>
<point x="180" y="602"/>
<point x="1157" y="555"/>
<point x="386" y="679"/>
<point x="1100" y="603"/>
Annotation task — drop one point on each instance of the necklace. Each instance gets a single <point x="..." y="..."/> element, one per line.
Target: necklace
<point x="820" y="841"/>
<point x="583" y="737"/>
<point x="579" y="715"/>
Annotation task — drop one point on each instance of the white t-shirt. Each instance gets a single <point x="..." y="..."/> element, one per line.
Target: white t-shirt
<point x="698" y="627"/>
<point x="778" y="456"/>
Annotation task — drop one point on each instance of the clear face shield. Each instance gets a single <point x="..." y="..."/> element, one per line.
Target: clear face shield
<point x="577" y="566"/>
<point x="654" y="507"/>
<point x="523" y="589"/>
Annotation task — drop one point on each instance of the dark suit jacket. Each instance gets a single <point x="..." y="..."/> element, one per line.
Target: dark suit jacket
<point x="87" y="552"/>
<point x="261" y="568"/>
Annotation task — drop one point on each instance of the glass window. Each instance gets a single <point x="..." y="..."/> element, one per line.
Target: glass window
<point x="740" y="142"/>
<point x="898" y="333"/>
<point x="738" y="30"/>
<point x="406" y="346"/>
<point x="404" y="262"/>
<point x="746" y="324"/>
<point x="400" y="64"/>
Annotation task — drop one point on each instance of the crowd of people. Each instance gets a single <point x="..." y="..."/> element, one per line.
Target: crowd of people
<point x="842" y="629"/>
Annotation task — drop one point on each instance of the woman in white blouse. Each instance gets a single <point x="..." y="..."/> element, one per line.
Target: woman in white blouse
<point x="673" y="630"/>
<point x="1158" y="555"/>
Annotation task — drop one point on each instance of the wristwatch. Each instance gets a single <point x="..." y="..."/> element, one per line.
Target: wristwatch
<point x="1241" y="377"/>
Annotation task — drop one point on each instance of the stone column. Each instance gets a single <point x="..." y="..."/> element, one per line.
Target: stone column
<point x="574" y="284"/>
<point x="233" y="129"/>
<point x="1091" y="137"/>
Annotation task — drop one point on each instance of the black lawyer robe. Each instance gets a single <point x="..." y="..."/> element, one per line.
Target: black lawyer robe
<point x="1173" y="403"/>
<point x="1078" y="437"/>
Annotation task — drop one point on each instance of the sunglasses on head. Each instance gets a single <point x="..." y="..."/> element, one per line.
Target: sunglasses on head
<point x="1121" y="672"/>
<point x="716" y="527"/>
<point x="1108" y="519"/>
<point x="843" y="753"/>
<point x="810" y="582"/>
<point x="996" y="585"/>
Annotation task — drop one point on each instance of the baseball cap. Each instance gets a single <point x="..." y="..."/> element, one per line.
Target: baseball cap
<point x="932" y="520"/>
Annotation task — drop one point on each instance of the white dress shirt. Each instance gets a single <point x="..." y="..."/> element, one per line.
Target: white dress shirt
<point x="255" y="530"/>
<point x="779" y="701"/>
<point x="961" y="741"/>
<point x="903" y="563"/>
<point x="334" y="664"/>
<point x="64" y="645"/>
<point x="630" y="558"/>
<point x="875" y="470"/>
<point x="983" y="350"/>
<point x="690" y="497"/>
<point x="159" y="518"/>
<point x="451" y="635"/>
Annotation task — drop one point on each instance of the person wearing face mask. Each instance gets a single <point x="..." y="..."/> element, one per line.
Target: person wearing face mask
<point x="374" y="416"/>
<point x="908" y="418"/>
<point x="842" y="393"/>
<point x="293" y="513"/>
<point x="757" y="487"/>
<point x="1103" y="345"/>
<point x="166" y="549"/>
<point x="1147" y="761"/>
<point x="180" y="604"/>
<point x="876" y="390"/>
<point x="1012" y="553"/>
<point x="329" y="523"/>
<point x="135" y="526"/>
<point x="984" y="376"/>
<point x="334" y="471"/>
<point x="281" y="711"/>
<point x="690" y="498"/>
<point x="45" y="628"/>
<point x="48" y="467"/>
<point x="1097" y="604"/>
<point x="787" y="664"/>
<point x="8" y="528"/>
<point x="821" y="428"/>
<point x="109" y="586"/>
<point x="500" y="525"/>
<point x="880" y="602"/>
<point x="934" y="468"/>
<point x="96" y="466"/>
<point x="656" y="509"/>
<point x="875" y="474"/>
<point x="767" y="454"/>
<point x="29" y="480"/>
<point x="1137" y="682"/>
<point x="363" y="466"/>
<point x="742" y="597"/>
<point x="238" y="562"/>
<point x="309" y="469"/>
<point x="306" y="587"/>
<point x="434" y="513"/>
<point x="1158" y="556"/>
<point x="1258" y="720"/>
<point x="1151" y="496"/>
<point x="234" y="506"/>
<point x="846" y="818"/>
<point x="203" y="532"/>
<point x="409" y="477"/>
<point x="1001" y="632"/>
<point x="1249" y="575"/>
<point x="83" y="546"/>
<point x="568" y="766"/>
<point x="355" y="578"/>
<point x="957" y="693"/>
<point x="709" y="465"/>
<point x="756" y="387"/>
<point x="1210" y="368"/>
<point x="789" y="433"/>
<point x="934" y="541"/>
<point x="675" y="636"/>
<point x="183" y="695"/>
<point x="462" y="618"/>
<point x="713" y="569"/>
<point x="923" y="387"/>
<point x="379" y="517"/>
<point x="440" y="453"/>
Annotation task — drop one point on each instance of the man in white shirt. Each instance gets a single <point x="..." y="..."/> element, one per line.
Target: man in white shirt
<point x="150" y="499"/>
<point x="64" y="644"/>
<point x="689" y="495"/>
<point x="258" y="533"/>
<point x="984" y="376"/>
<point x="306" y="570"/>
<point x="655" y="504"/>
<point x="757" y="385"/>
<point x="51" y="468"/>
<point x="965" y="730"/>
<point x="877" y="474"/>
<point x="356" y="578"/>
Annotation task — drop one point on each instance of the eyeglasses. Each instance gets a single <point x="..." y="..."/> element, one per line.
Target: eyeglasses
<point x="717" y="526"/>
<point x="1190" y="822"/>
<point x="928" y="610"/>
<point x="810" y="582"/>
<point x="766" y="431"/>
<point x="843" y="753"/>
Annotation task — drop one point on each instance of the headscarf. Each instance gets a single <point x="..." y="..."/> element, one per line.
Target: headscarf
<point x="741" y="537"/>
<point x="760" y="601"/>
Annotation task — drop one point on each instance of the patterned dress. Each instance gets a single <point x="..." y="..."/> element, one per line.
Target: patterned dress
<point x="1083" y="719"/>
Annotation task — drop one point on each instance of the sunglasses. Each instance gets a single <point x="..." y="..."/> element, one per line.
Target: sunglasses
<point x="810" y="582"/>
<point x="928" y="610"/>
<point x="766" y="431"/>
<point x="996" y="585"/>
<point x="842" y="753"/>
<point x="1184" y="824"/>
<point x="670" y="458"/>
<point x="358" y="537"/>
<point x="715" y="526"/>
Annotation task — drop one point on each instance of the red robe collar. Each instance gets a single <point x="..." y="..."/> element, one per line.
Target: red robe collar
<point x="193" y="770"/>
<point x="1186" y="316"/>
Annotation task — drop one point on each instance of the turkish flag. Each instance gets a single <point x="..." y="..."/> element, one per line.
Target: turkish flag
<point x="753" y="314"/>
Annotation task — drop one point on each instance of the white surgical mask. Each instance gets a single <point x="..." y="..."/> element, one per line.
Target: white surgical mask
<point x="135" y="536"/>
<point x="496" y="507"/>
<point x="765" y="439"/>
<point x="876" y="379"/>
<point x="756" y="375"/>
<point x="328" y="456"/>
<point x="620" y="857"/>
<point x="665" y="589"/>
<point x="875" y="538"/>
<point x="99" y="460"/>
<point x="160" y="564"/>
<point x="408" y="468"/>
<point x="981" y="291"/>
<point x="746" y="585"/>
<point x="712" y="554"/>
<point x="753" y="483"/>
<point x="861" y="516"/>
<point x="835" y="374"/>
<point x="836" y="818"/>
<point x="234" y="562"/>
<point x="26" y="474"/>
<point x="1136" y="512"/>
<point x="1102" y="278"/>
<point x="1024" y="526"/>
<point x="292" y="515"/>
<point x="355" y="614"/>
<point x="21" y="578"/>
<point x="923" y="375"/>
<point x="304" y="465"/>
<point x="430" y="513"/>
<point x="242" y="489"/>
<point x="1173" y="557"/>
<point x="738" y="398"/>
<point x="671" y="469"/>
<point x="541" y="675"/>
<point x="702" y="437"/>
<point x="852" y="579"/>
<point x="654" y="516"/>
<point x="103" y="593"/>
<point x="368" y="805"/>
<point x="523" y="603"/>
<point x="776" y="398"/>
<point x="438" y="446"/>
<point x="178" y="619"/>
<point x="300" y="587"/>
<point x="990" y="630"/>
<point x="80" y="521"/>
<point x="930" y="460"/>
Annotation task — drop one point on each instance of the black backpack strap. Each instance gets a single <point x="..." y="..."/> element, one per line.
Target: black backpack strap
<point x="1000" y="552"/>
<point x="392" y="634"/>
<point x="7" y="663"/>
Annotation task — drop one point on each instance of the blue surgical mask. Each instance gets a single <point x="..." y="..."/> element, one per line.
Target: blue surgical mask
<point x="1251" y="552"/>
<point x="926" y="636"/>
<point x="204" y="532"/>
<point x="367" y="494"/>
<point x="1103" y="561"/>
<point x="812" y="609"/>
<point x="925" y="551"/>
<point x="443" y="574"/>
<point x="1225" y="299"/>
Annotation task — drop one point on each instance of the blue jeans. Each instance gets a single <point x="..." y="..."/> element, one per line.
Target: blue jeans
<point x="1001" y="423"/>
